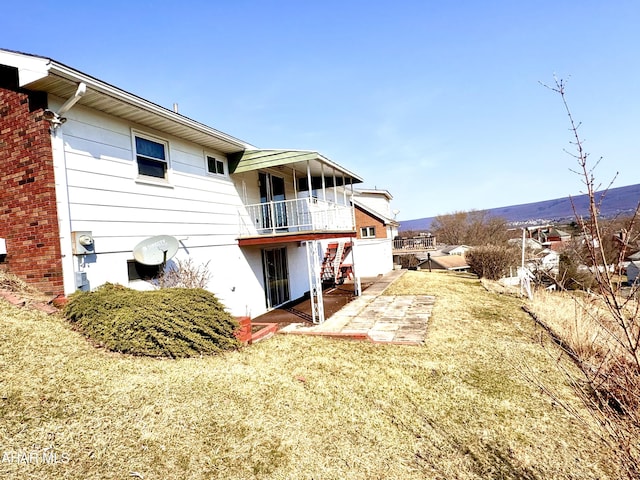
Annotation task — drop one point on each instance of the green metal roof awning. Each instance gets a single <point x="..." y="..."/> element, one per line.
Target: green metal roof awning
<point x="296" y="159"/>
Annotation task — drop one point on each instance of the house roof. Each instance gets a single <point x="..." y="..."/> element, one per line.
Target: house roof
<point x="451" y="248"/>
<point x="319" y="165"/>
<point x="530" y="243"/>
<point x="635" y="256"/>
<point x="450" y="262"/>
<point x="633" y="267"/>
<point x="46" y="75"/>
<point x="547" y="252"/>
<point x="375" y="191"/>
<point x="562" y="233"/>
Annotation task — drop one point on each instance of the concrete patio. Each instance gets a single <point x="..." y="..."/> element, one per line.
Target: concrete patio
<point x="373" y="316"/>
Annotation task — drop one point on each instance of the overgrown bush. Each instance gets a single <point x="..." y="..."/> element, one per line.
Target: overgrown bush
<point x="491" y="261"/>
<point x="176" y="322"/>
<point x="409" y="261"/>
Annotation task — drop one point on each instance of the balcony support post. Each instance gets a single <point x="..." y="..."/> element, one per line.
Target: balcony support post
<point x="357" y="286"/>
<point x="315" y="282"/>
<point x="324" y="187"/>
<point x="309" y="179"/>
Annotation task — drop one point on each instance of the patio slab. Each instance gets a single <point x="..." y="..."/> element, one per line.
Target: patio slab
<point x="380" y="318"/>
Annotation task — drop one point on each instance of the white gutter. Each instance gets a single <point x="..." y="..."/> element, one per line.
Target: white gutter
<point x="103" y="88"/>
<point x="32" y="69"/>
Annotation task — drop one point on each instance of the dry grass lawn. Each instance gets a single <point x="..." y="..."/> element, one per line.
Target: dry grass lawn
<point x="296" y="407"/>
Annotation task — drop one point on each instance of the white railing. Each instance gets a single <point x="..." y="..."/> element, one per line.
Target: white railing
<point x="418" y="243"/>
<point x="299" y="215"/>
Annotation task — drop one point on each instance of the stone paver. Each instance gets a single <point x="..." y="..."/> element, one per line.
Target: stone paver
<point x="383" y="318"/>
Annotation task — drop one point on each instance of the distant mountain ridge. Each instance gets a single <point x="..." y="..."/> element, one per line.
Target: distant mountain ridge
<point x="618" y="201"/>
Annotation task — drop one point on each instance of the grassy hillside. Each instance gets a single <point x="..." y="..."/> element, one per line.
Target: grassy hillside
<point x="297" y="407"/>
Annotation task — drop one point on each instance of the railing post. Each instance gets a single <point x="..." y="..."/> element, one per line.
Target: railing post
<point x="272" y="217"/>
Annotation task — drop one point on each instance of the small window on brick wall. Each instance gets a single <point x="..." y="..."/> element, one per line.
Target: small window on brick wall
<point x="367" y="232"/>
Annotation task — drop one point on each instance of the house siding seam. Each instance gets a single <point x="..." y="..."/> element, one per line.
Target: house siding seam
<point x="363" y="219"/>
<point x="28" y="219"/>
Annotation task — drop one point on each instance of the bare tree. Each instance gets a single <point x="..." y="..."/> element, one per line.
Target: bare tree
<point x="609" y="381"/>
<point x="185" y="274"/>
<point x="473" y="228"/>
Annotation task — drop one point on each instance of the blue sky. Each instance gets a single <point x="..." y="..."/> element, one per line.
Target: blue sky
<point x="437" y="102"/>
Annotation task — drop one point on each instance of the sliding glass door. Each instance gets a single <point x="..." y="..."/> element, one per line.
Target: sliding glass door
<point x="276" y="275"/>
<point x="274" y="210"/>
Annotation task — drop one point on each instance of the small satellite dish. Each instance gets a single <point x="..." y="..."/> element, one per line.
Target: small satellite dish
<point x="155" y="250"/>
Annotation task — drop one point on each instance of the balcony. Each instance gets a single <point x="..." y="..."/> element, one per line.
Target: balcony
<point x="413" y="245"/>
<point x="295" y="216"/>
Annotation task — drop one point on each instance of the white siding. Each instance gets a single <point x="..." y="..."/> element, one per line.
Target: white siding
<point x="200" y="210"/>
<point x="298" y="272"/>
<point x="376" y="202"/>
<point x="107" y="198"/>
<point x="374" y="257"/>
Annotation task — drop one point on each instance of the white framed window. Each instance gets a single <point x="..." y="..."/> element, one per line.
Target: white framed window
<point x="215" y="166"/>
<point x="367" y="232"/>
<point x="151" y="157"/>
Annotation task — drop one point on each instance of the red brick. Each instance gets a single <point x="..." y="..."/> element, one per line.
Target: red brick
<point x="27" y="192"/>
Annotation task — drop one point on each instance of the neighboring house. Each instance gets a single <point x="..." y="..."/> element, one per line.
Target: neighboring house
<point x="547" y="260"/>
<point x="530" y="244"/>
<point x="632" y="271"/>
<point x="89" y="171"/>
<point x="549" y="236"/>
<point x="376" y="230"/>
<point x="455" y="249"/>
<point x="456" y="263"/>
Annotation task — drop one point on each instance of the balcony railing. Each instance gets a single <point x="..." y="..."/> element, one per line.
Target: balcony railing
<point x="299" y="215"/>
<point x="412" y="244"/>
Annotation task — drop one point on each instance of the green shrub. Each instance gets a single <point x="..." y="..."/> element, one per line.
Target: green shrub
<point x="175" y="322"/>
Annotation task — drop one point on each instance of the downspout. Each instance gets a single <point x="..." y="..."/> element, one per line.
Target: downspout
<point x="62" y="188"/>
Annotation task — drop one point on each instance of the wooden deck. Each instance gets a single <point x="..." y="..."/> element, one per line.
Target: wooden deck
<point x="406" y="246"/>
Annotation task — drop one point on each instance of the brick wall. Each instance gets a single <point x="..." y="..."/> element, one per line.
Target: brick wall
<point x="363" y="219"/>
<point x="28" y="217"/>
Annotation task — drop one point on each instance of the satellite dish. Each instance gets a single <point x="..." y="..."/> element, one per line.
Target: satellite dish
<point x="155" y="250"/>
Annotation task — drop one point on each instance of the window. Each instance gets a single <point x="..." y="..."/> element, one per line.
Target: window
<point x="215" y="166"/>
<point x="151" y="157"/>
<point x="138" y="271"/>
<point x="367" y="232"/>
